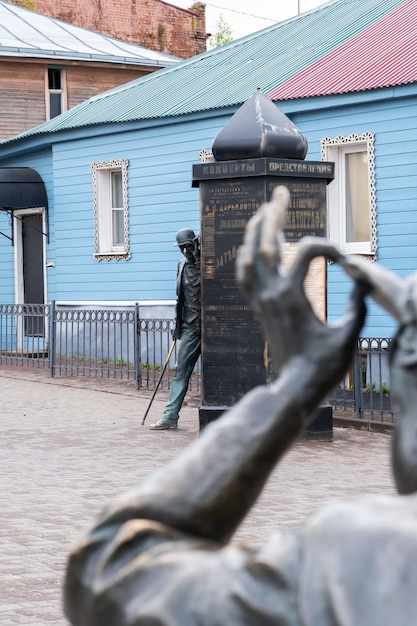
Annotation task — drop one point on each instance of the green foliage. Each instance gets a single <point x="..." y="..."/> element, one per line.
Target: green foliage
<point x="28" y="4"/>
<point x="150" y="366"/>
<point x="222" y="35"/>
<point x="119" y="361"/>
<point x="384" y="388"/>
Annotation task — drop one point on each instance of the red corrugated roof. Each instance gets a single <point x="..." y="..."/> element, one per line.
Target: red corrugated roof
<point x="382" y="55"/>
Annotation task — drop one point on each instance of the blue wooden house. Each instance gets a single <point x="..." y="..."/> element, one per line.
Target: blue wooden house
<point x="116" y="170"/>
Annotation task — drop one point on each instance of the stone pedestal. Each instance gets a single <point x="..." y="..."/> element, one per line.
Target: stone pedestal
<point x="234" y="355"/>
<point x="321" y="429"/>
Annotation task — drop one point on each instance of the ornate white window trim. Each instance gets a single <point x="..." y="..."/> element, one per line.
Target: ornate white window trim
<point x="328" y="146"/>
<point x="206" y="156"/>
<point x="101" y="199"/>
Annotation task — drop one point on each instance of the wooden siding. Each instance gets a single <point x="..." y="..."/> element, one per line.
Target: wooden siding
<point x="22" y="97"/>
<point x="84" y="82"/>
<point x="394" y="122"/>
<point x="161" y="200"/>
<point x="22" y="89"/>
<point x="6" y="261"/>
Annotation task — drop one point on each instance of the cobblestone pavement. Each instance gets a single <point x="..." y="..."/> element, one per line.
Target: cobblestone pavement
<point x="69" y="446"/>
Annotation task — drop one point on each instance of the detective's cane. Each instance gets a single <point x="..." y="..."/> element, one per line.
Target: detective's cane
<point x="171" y="350"/>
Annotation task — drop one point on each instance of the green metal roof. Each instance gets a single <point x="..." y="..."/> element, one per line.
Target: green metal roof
<point x="229" y="75"/>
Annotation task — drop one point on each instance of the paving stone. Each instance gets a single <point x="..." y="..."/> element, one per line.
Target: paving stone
<point x="70" y="445"/>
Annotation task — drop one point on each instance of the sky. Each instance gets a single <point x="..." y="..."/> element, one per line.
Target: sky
<point x="247" y="16"/>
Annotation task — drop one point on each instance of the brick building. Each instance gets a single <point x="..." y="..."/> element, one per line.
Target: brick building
<point x="153" y="24"/>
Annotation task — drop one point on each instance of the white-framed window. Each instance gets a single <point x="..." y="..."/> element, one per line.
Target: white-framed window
<point x="56" y="92"/>
<point x="111" y="225"/>
<point x="351" y="195"/>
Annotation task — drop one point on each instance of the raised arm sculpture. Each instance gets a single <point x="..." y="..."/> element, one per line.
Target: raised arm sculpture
<point x="162" y="555"/>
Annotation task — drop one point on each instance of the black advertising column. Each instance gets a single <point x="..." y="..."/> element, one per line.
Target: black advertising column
<point x="234" y="355"/>
<point x="232" y="344"/>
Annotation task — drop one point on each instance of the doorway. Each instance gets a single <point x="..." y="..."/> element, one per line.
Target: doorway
<point x="30" y="250"/>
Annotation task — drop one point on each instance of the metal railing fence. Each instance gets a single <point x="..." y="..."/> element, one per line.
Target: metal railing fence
<point x="24" y="335"/>
<point x="366" y="392"/>
<point x="93" y="342"/>
<point x="155" y="340"/>
<point x="116" y="343"/>
<point x="111" y="343"/>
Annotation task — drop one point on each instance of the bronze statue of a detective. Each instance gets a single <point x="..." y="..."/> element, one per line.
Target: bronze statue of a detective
<point x="161" y="555"/>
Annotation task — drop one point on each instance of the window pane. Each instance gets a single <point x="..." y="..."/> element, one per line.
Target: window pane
<point x="357" y="197"/>
<point x="54" y="79"/>
<point x="111" y="209"/>
<point x="117" y="226"/>
<point x="55" y="104"/>
<point x="116" y="190"/>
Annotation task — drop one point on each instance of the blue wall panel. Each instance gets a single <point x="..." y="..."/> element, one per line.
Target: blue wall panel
<point x="394" y="124"/>
<point x="42" y="163"/>
<point x="6" y="260"/>
<point x="161" y="198"/>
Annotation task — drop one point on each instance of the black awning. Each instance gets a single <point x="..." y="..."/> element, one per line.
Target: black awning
<point x="21" y="188"/>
